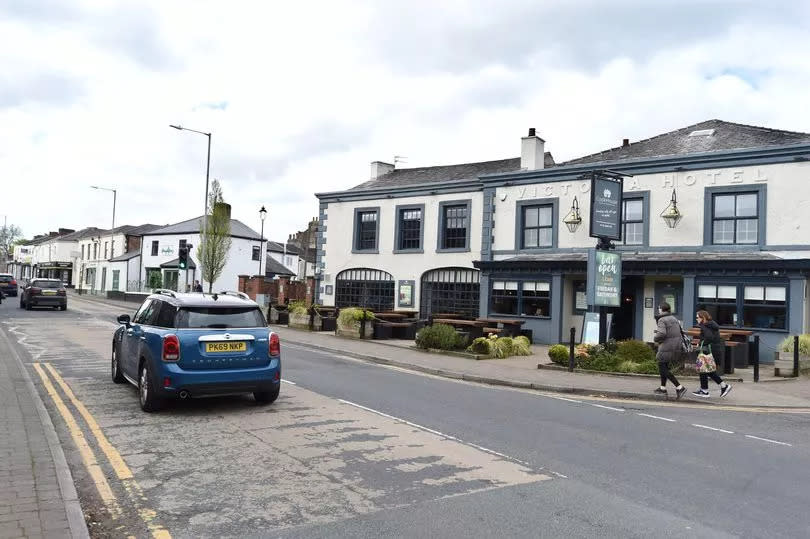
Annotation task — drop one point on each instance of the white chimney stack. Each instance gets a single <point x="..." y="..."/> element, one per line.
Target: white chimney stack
<point x="532" y="151"/>
<point x="379" y="168"/>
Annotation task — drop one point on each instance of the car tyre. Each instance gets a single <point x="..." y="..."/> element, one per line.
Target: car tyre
<point x="267" y="397"/>
<point x="22" y="304"/>
<point x="150" y="401"/>
<point x="63" y="307"/>
<point x="115" y="368"/>
<point x="28" y="306"/>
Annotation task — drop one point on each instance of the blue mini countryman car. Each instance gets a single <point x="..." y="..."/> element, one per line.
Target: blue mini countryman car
<point x="194" y="345"/>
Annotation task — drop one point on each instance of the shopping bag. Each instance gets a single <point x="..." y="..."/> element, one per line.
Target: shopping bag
<point x="705" y="360"/>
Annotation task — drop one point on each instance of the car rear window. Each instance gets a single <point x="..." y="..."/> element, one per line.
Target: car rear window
<point x="47" y="284"/>
<point x="6" y="278"/>
<point x="220" y="317"/>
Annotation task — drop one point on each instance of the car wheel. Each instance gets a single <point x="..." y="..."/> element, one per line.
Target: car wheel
<point x="28" y="306"/>
<point x="150" y="402"/>
<point x="267" y="397"/>
<point x="115" y="368"/>
<point x="22" y="305"/>
<point x="63" y="307"/>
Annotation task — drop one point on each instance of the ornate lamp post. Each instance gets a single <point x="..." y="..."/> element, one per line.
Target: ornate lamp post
<point x="262" y="215"/>
<point x="671" y="214"/>
<point x="573" y="219"/>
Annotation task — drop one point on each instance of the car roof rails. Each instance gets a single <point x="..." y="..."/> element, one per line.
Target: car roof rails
<point x="164" y="292"/>
<point x="235" y="293"/>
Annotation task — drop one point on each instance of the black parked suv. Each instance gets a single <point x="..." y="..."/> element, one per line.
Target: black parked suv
<point x="44" y="293"/>
<point x="8" y="284"/>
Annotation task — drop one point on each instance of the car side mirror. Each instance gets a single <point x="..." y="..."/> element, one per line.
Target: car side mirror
<point x="124" y="319"/>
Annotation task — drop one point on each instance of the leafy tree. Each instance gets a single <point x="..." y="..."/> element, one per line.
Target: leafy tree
<point x="9" y="235"/>
<point x="216" y="245"/>
<point x="214" y="195"/>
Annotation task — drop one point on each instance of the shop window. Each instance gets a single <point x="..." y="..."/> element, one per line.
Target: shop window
<point x="524" y="298"/>
<point x="366" y="229"/>
<point x="755" y="306"/>
<point x="450" y="290"/>
<point x="537" y="226"/>
<point x="735" y="218"/>
<point x="454" y="226"/>
<point x="408" y="234"/>
<point x="362" y="287"/>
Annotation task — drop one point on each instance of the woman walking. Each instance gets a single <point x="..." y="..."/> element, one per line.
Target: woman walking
<point x="710" y="336"/>
<point x="669" y="339"/>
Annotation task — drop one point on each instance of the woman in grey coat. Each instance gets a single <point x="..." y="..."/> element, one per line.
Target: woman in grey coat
<point x="668" y="337"/>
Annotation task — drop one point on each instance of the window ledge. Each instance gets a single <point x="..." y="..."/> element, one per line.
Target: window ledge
<point x="454" y="250"/>
<point x="407" y="251"/>
<point x="366" y="251"/>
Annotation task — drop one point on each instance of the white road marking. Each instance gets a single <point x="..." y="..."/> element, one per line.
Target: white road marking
<point x="768" y="440"/>
<point x="659" y="417"/>
<point x="563" y="399"/>
<point x="608" y="407"/>
<point x="288" y="382"/>
<point x="558" y="474"/>
<point x="436" y="432"/>
<point x="712" y="428"/>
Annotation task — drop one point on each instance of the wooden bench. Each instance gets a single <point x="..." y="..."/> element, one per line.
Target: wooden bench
<point x="474" y="328"/>
<point x="492" y="330"/>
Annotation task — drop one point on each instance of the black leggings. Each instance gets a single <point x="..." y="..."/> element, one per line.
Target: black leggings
<point x="663" y="368"/>
<point x="704" y="379"/>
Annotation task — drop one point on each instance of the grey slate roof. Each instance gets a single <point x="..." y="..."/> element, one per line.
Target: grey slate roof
<point x="278" y="247"/>
<point x="275" y="267"/>
<point x="192" y="226"/>
<point x="126" y="256"/>
<point x="724" y="136"/>
<point x="445" y="173"/>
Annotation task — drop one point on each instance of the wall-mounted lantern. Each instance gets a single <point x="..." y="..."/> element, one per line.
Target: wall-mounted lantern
<point x="573" y="219"/>
<point x="671" y="214"/>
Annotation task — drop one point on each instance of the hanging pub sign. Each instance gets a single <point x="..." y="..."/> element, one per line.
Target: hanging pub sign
<point x="604" y="278"/>
<point x="606" y="207"/>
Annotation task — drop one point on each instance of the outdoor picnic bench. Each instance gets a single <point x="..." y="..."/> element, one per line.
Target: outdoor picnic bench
<point x="508" y="326"/>
<point x="475" y="328"/>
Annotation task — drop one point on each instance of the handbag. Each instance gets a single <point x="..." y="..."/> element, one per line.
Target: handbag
<point x="686" y="341"/>
<point x="705" y="360"/>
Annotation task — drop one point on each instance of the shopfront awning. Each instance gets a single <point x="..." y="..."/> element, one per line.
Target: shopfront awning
<point x="756" y="263"/>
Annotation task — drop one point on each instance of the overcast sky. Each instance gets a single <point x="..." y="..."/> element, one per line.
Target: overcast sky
<point x="302" y="96"/>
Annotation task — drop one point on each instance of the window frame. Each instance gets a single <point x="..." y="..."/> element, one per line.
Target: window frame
<point x="644" y="196"/>
<point x="398" y="210"/>
<point x="708" y="213"/>
<point x="443" y="228"/>
<point x="356" y="231"/>
<point x="520" y="281"/>
<point x="555" y="226"/>
<point x="155" y="249"/>
<point x="740" y="302"/>
<point x="256" y="253"/>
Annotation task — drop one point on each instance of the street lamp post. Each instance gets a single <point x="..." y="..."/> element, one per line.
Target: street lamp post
<point x="112" y="230"/>
<point x="262" y="215"/>
<point x="205" y="206"/>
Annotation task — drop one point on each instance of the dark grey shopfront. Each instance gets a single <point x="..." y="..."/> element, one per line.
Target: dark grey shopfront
<point x="754" y="291"/>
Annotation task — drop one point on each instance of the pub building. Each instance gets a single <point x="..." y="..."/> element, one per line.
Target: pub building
<point x="713" y="216"/>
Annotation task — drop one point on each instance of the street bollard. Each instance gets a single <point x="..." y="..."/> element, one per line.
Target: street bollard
<point x="755" y="351"/>
<point x="795" y="355"/>
<point x="571" y="350"/>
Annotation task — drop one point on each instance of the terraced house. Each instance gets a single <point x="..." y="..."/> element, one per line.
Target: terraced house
<point x="500" y="238"/>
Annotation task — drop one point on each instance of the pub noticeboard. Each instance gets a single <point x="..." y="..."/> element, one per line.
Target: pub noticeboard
<point x="604" y="278"/>
<point x="606" y="207"/>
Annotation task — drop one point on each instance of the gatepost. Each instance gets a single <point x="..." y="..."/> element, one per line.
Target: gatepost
<point x="604" y="283"/>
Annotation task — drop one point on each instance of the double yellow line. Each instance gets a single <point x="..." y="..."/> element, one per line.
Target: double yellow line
<point x="122" y="471"/>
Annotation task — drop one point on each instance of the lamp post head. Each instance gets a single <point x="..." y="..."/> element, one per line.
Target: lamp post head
<point x="573" y="219"/>
<point x="180" y="127"/>
<point x="671" y="214"/>
<point x="262" y="213"/>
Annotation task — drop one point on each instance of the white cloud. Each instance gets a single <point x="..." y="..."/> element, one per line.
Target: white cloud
<point x="305" y="95"/>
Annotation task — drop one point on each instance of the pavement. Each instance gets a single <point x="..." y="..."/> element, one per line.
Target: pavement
<point x="37" y="494"/>
<point x="523" y="372"/>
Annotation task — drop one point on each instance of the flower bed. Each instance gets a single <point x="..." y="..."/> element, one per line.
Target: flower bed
<point x="622" y="357"/>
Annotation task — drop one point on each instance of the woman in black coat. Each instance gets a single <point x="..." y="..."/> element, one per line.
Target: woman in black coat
<point x="710" y="335"/>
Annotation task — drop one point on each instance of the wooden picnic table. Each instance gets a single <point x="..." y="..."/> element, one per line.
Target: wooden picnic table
<point x="474" y="327"/>
<point x="453" y="316"/>
<point x="509" y="326"/>
<point x="409" y="313"/>
<point x="391" y="316"/>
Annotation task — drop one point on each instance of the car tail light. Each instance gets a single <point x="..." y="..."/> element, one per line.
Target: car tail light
<point x="35" y="290"/>
<point x="13" y="283"/>
<point x="274" y="348"/>
<point x="171" y="348"/>
<point x="60" y="292"/>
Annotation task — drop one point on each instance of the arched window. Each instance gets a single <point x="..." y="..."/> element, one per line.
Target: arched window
<point x="363" y="287"/>
<point x="450" y="290"/>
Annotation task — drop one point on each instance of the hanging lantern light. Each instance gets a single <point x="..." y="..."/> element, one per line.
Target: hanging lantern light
<point x="671" y="214"/>
<point x="573" y="219"/>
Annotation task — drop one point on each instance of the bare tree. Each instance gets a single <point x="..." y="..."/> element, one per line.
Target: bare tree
<point x="216" y="245"/>
<point x="214" y="195"/>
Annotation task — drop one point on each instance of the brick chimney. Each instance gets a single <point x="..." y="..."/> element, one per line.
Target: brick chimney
<point x="532" y="152"/>
<point x="379" y="168"/>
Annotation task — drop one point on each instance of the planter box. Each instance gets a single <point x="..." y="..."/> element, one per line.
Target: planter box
<point x="299" y="321"/>
<point x="353" y="331"/>
<point x="328" y="324"/>
<point x="783" y="364"/>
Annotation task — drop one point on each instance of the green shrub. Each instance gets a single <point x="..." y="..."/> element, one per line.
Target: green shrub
<point x="635" y="351"/>
<point x="503" y="347"/>
<point x="610" y="346"/>
<point x="298" y="307"/>
<point x="155" y="280"/>
<point x="481" y="345"/>
<point x="804" y="344"/>
<point x="627" y="366"/>
<point x="558" y="354"/>
<point x="648" y="367"/>
<point x="520" y="348"/>
<point x="348" y="315"/>
<point x="605" y="361"/>
<point x="440" y="336"/>
<point x="524" y="340"/>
